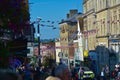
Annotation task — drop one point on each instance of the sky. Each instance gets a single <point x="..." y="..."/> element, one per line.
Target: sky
<point x="51" y="11"/>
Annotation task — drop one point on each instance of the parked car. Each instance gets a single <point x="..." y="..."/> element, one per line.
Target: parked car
<point x="87" y="73"/>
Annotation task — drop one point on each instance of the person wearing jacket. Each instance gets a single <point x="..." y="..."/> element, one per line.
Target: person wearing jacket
<point x="62" y="71"/>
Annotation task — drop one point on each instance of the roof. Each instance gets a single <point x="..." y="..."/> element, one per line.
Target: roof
<point x="71" y="19"/>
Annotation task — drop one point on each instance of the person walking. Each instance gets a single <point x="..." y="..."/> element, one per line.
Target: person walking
<point x="80" y="74"/>
<point x="27" y="74"/>
<point x="73" y="73"/>
<point x="107" y="72"/>
<point x="63" y="72"/>
<point x="102" y="75"/>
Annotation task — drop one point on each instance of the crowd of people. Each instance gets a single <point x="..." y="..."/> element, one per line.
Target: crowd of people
<point x="56" y="72"/>
<point x="105" y="73"/>
<point x="108" y="74"/>
<point x="30" y="72"/>
<point x="116" y="72"/>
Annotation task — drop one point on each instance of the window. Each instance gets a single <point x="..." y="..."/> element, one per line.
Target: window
<point x="63" y="30"/>
<point x="115" y="22"/>
<point x="84" y="8"/>
<point x="119" y="21"/>
<point x="110" y="24"/>
<point x="100" y="4"/>
<point x="101" y="29"/>
<point x="104" y="2"/>
<point x="104" y="29"/>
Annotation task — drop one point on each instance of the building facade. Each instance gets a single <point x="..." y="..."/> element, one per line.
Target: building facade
<point x="78" y="43"/>
<point x="68" y="29"/>
<point x="14" y="18"/>
<point x="103" y="17"/>
<point x="89" y="30"/>
<point x="58" y="51"/>
<point x="102" y="34"/>
<point x="114" y="31"/>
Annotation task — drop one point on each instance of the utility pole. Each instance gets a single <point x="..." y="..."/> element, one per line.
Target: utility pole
<point x="38" y="27"/>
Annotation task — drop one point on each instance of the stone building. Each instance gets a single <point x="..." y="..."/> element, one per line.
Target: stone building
<point x="102" y="18"/>
<point x="114" y="30"/>
<point x="68" y="29"/>
<point x="89" y="27"/>
<point x="78" y="42"/>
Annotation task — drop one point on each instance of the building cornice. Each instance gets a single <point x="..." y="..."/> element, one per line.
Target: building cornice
<point x="101" y="10"/>
<point x="114" y="6"/>
<point x="72" y="19"/>
<point x="80" y="16"/>
<point x="117" y="36"/>
<point x="102" y="36"/>
<point x="107" y="8"/>
<point x="89" y="12"/>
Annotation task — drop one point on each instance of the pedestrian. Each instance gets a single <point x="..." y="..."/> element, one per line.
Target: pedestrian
<point x="107" y="72"/>
<point x="102" y="75"/>
<point x="8" y="75"/>
<point x="53" y="71"/>
<point x="27" y="70"/>
<point x="63" y="72"/>
<point x="37" y="74"/>
<point x="73" y="73"/>
<point x="52" y="78"/>
<point x="27" y="73"/>
<point x="114" y="72"/>
<point x="80" y="73"/>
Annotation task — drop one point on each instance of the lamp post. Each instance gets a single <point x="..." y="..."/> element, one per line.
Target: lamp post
<point x="38" y="27"/>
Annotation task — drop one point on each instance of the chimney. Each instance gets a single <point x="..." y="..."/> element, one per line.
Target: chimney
<point x="73" y="12"/>
<point x="68" y="15"/>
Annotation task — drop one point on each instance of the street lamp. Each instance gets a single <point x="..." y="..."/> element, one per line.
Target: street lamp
<point x="38" y="27"/>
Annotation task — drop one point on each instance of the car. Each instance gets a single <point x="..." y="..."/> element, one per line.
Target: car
<point x="87" y="73"/>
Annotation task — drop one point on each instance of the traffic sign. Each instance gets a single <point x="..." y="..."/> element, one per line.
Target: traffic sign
<point x="39" y="56"/>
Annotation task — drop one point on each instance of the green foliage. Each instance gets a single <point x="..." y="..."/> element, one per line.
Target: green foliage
<point x="13" y="11"/>
<point x="45" y="61"/>
<point x="33" y="61"/>
<point x="36" y="40"/>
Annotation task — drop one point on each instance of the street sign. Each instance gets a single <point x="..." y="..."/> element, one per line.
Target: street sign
<point x="39" y="56"/>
